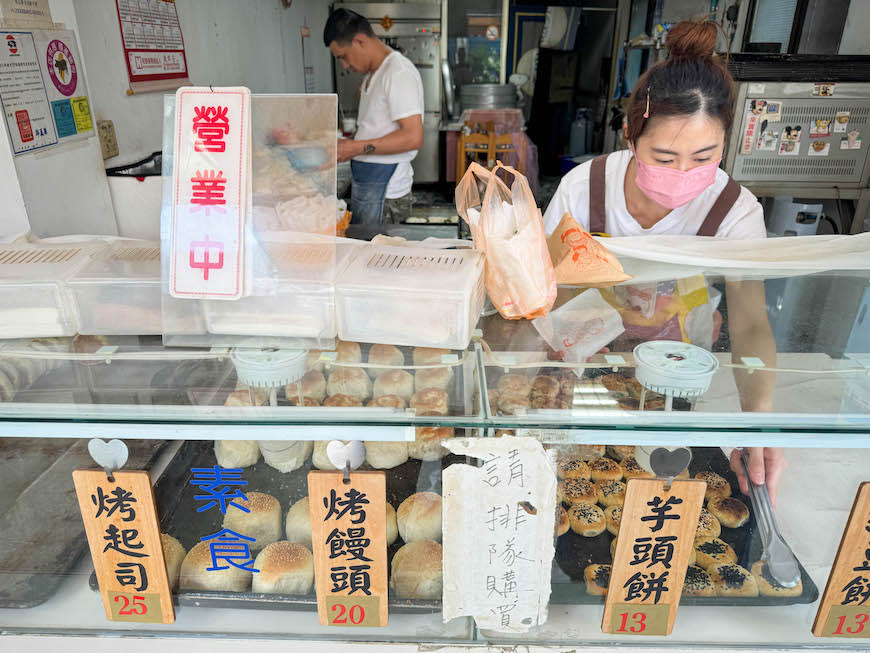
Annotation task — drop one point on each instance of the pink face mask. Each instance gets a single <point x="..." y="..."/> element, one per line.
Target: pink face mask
<point x="672" y="188"/>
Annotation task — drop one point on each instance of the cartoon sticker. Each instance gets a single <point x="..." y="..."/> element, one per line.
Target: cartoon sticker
<point x="841" y="121"/>
<point x="773" y="112"/>
<point x="852" y="141"/>
<point x="819" y="148"/>
<point x="767" y="141"/>
<point x="790" y="143"/>
<point x="61" y="67"/>
<point x="757" y="106"/>
<point x="823" y="89"/>
<point x="820" y="128"/>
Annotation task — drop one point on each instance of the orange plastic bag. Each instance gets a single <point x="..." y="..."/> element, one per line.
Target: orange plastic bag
<point x="507" y="227"/>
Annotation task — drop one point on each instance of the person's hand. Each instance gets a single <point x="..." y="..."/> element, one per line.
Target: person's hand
<point x="766" y="465"/>
<point x="347" y="149"/>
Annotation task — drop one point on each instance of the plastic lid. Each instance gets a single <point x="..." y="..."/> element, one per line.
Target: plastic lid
<point x="269" y="368"/>
<point x="674" y="368"/>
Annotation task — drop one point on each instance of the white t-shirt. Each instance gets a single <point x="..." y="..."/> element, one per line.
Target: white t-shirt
<point x="744" y="220"/>
<point x="394" y="91"/>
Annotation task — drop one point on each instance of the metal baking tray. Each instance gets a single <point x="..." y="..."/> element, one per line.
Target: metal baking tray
<point x="574" y="552"/>
<point x="178" y="517"/>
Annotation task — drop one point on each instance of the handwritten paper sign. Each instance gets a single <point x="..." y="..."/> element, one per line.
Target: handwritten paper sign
<point x="656" y="536"/>
<point x="348" y="534"/>
<point x="210" y="192"/>
<point x="124" y="538"/>
<point x="499" y="521"/>
<point x="845" y="607"/>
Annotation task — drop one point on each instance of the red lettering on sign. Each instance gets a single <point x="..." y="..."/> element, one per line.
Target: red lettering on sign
<point x="211" y="125"/>
<point x="209" y="187"/>
<point x="206" y="263"/>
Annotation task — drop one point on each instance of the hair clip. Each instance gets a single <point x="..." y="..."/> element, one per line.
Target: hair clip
<point x="646" y="113"/>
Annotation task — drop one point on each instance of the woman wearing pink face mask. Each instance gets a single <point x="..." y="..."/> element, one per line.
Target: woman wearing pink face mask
<point x="668" y="182"/>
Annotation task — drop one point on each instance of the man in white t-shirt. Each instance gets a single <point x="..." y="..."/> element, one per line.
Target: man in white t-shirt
<point x="389" y="124"/>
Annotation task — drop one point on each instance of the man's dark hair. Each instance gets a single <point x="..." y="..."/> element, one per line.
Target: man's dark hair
<point x="343" y="24"/>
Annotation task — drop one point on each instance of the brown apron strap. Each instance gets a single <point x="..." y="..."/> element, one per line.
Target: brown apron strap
<point x="720" y="208"/>
<point x="597" y="215"/>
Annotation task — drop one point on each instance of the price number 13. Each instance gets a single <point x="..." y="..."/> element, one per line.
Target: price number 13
<point x="637" y="621"/>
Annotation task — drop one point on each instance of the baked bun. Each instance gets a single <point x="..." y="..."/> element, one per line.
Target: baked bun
<point x="613" y="515"/>
<point x="392" y="530"/>
<point x="387" y="401"/>
<point x="578" y="490"/>
<point x="297" y="525"/>
<point x="587" y="519"/>
<point x="698" y="582"/>
<point x="711" y="551"/>
<point x="285" y="455"/>
<point x="610" y="493"/>
<point x="544" y="387"/>
<point x="234" y="454"/>
<point x="194" y="574"/>
<point x="620" y="451"/>
<point x="313" y="385"/>
<point x="513" y="404"/>
<point x="730" y="512"/>
<point x="173" y="556"/>
<point x="731" y="579"/>
<point x="350" y="381"/>
<point x="588" y="451"/>
<point x="567" y="383"/>
<point x="415" y="572"/>
<point x="394" y="382"/>
<point x="431" y="401"/>
<point x="769" y="586"/>
<point x="434" y="377"/>
<point x="427" y="442"/>
<point x="384" y="355"/>
<point x="319" y="458"/>
<point x="247" y="397"/>
<point x="632" y="469"/>
<point x="419" y="517"/>
<point x="716" y="485"/>
<point x="604" y="469"/>
<point x="313" y="362"/>
<point x="306" y="401"/>
<point x="348" y="352"/>
<point x="285" y="568"/>
<point x="573" y="468"/>
<point x="262" y="522"/>
<point x="614" y="383"/>
<point x="708" y="525"/>
<point x="549" y="404"/>
<point x="428" y="355"/>
<point x="516" y="385"/>
<point x="597" y="579"/>
<point x="386" y="455"/>
<point x="562" y="523"/>
<point x="343" y="401"/>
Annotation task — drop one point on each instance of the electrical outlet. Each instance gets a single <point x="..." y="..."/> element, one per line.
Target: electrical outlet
<point x="108" y="142"/>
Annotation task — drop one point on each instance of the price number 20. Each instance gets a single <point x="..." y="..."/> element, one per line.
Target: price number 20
<point x="356" y="614"/>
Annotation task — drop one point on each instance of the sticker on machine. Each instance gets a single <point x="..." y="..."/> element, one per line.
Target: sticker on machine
<point x="767" y="141"/>
<point x="841" y="122"/>
<point x="773" y="112"/>
<point x="823" y="89"/>
<point x="819" y="148"/>
<point x="791" y="139"/>
<point x="820" y="128"/>
<point x="852" y="141"/>
<point x="749" y="133"/>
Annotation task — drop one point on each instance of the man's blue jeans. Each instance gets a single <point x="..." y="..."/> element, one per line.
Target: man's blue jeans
<point x="368" y="188"/>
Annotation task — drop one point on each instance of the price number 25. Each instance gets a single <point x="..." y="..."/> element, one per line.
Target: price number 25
<point x="131" y="606"/>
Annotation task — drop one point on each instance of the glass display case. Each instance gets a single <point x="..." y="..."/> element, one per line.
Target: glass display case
<point x="785" y="369"/>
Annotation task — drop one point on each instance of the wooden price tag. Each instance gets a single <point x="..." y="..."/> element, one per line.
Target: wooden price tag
<point x="349" y="538"/>
<point x="121" y="524"/>
<point x="844" y="610"/>
<point x="656" y="536"/>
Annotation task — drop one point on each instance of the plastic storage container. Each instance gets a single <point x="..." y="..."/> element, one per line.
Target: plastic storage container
<point x="410" y="296"/>
<point x="34" y="300"/>
<point x="118" y="292"/>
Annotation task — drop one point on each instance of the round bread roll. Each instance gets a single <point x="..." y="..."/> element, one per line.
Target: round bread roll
<point x="392" y="531"/>
<point x="597" y="579"/>
<point x="604" y="469"/>
<point x="731" y="579"/>
<point x="549" y="404"/>
<point x="343" y="401"/>
<point x="632" y="469"/>
<point x="173" y="556"/>
<point x="587" y="451"/>
<point x="428" y="355"/>
<point x="427" y="442"/>
<point x="415" y="572"/>
<point x="431" y="401"/>
<point x="386" y="455"/>
<point x="587" y="519"/>
<point x="247" y="397"/>
<point x="395" y="382"/>
<point x="578" y="490"/>
<point x="698" y="582"/>
<point x="610" y="493"/>
<point x="567" y="383"/>
<point x="613" y="515"/>
<point x="348" y="352"/>
<point x="313" y="385"/>
<point x="194" y="574"/>
<point x="387" y="401"/>
<point x="620" y="451"/>
<point x="313" y="362"/>
<point x="716" y="485"/>
<point x="516" y="385"/>
<point x="306" y="401"/>
<point x="285" y="568"/>
<point x="614" y="383"/>
<point x="319" y="458"/>
<point x="769" y="586"/>
<point x="234" y="454"/>
<point x="384" y="355"/>
<point x="573" y="468"/>
<point x="562" y="523"/>
<point x="708" y="525"/>
<point x="434" y="377"/>
<point x="297" y="525"/>
<point x="509" y="404"/>
<point x="350" y="381"/>
<point x="263" y="522"/>
<point x="711" y="551"/>
<point x="419" y="517"/>
<point x="544" y="387"/>
<point x="285" y="455"/>
<point x="730" y="512"/>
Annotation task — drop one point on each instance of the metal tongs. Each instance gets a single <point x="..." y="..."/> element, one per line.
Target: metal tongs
<point x="776" y="554"/>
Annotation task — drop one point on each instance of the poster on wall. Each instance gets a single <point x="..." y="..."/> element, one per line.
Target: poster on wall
<point x="153" y="45"/>
<point x="60" y="60"/>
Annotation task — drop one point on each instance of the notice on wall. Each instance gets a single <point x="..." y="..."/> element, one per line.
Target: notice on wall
<point x="58" y="55"/>
<point x="23" y="94"/>
<point x="26" y="13"/>
<point x="153" y="44"/>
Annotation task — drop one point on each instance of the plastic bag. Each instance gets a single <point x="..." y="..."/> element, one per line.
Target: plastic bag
<point x="579" y="259"/>
<point x="507" y="227"/>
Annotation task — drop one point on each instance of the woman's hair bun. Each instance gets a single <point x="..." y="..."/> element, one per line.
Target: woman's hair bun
<point x="689" y="39"/>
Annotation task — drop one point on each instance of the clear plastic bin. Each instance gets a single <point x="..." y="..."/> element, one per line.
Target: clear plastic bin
<point x="410" y="296"/>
